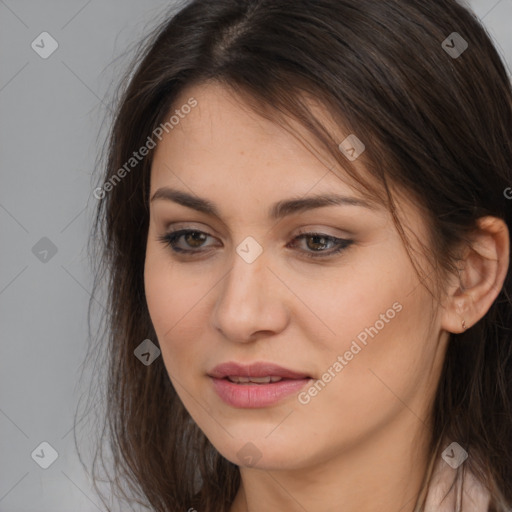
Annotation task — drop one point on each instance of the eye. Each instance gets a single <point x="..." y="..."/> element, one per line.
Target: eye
<point x="321" y="240"/>
<point x="195" y="239"/>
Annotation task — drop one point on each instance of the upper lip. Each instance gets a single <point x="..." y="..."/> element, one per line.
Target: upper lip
<point x="260" y="369"/>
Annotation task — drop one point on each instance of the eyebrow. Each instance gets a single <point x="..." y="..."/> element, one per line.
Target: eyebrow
<point x="278" y="211"/>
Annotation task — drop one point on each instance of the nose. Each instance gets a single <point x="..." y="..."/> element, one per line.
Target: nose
<point x="251" y="301"/>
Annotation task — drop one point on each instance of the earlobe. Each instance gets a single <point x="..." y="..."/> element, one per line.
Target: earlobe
<point x="456" y="315"/>
<point x="482" y="273"/>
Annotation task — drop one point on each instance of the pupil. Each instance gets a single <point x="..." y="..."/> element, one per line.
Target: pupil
<point x="196" y="237"/>
<point x="318" y="238"/>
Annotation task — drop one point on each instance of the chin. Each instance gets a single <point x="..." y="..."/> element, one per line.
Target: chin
<point x="264" y="453"/>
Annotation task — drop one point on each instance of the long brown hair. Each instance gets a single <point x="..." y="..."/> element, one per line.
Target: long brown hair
<point x="435" y="124"/>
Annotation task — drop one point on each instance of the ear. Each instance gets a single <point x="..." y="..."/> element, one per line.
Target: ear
<point x="483" y="270"/>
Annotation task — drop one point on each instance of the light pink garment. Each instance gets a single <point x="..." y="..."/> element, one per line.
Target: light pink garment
<point x="475" y="497"/>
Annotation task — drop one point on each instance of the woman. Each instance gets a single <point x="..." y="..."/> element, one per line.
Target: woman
<point x="305" y="232"/>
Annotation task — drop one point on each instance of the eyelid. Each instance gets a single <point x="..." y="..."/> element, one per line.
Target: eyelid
<point x="321" y="231"/>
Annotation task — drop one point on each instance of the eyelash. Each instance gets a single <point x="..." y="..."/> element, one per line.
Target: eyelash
<point x="170" y="239"/>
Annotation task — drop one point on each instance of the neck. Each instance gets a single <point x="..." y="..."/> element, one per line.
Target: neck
<point x="383" y="473"/>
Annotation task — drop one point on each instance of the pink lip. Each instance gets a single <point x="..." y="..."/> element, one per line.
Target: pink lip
<point x="254" y="370"/>
<point x="253" y="396"/>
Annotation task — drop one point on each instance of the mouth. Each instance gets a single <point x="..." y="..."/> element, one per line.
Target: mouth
<point x="254" y="380"/>
<point x="256" y="385"/>
<point x="258" y="373"/>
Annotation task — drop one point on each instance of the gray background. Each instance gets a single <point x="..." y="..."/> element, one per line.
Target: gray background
<point x="51" y="113"/>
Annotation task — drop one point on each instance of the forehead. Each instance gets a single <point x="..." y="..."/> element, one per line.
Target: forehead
<point x="221" y="150"/>
<point x="223" y="138"/>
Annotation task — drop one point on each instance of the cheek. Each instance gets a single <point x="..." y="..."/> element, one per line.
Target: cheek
<point x="177" y="302"/>
<point x="350" y="300"/>
<point x="379" y="321"/>
<point x="170" y="293"/>
<point x="384" y="365"/>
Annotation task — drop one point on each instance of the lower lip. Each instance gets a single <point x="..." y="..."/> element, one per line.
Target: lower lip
<point x="253" y="396"/>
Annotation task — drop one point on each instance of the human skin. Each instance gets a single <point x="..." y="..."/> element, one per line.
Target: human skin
<point x="362" y="440"/>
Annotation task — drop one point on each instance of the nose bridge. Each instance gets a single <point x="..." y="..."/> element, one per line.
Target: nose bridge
<point x="247" y="302"/>
<point x="244" y="283"/>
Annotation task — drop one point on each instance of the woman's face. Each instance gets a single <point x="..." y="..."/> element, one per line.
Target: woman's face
<point x="354" y="325"/>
